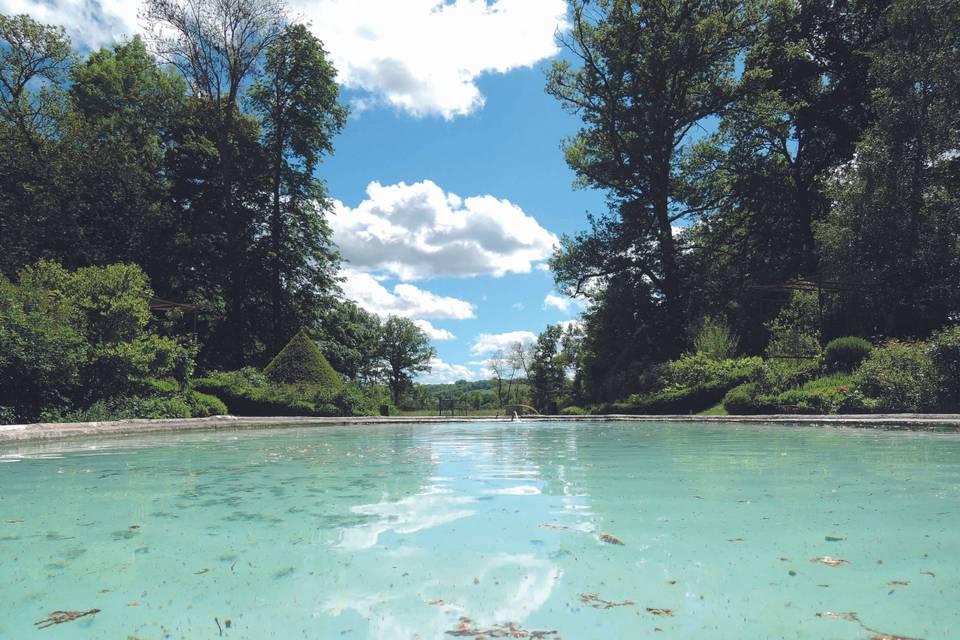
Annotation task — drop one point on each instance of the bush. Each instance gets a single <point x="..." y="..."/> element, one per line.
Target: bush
<point x="846" y="354"/>
<point x="573" y="411"/>
<point x="72" y="339"/>
<point x="945" y="353"/>
<point x="698" y="369"/>
<point x="747" y="399"/>
<point x="681" y="400"/>
<point x="302" y="363"/>
<point x="795" y="332"/>
<point x="203" y="405"/>
<point x="777" y="376"/>
<point x="900" y="376"/>
<point x="714" y="339"/>
<point x="248" y="392"/>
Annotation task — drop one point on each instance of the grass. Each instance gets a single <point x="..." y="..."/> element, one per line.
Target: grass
<point x="715" y="410"/>
<point x="447" y="412"/>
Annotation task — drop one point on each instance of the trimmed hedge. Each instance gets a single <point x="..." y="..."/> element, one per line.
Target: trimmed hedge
<point x="831" y="394"/>
<point x="302" y="363"/>
<point x="248" y="392"/>
<point x="670" y="401"/>
<point x="846" y="354"/>
<point x="573" y="411"/>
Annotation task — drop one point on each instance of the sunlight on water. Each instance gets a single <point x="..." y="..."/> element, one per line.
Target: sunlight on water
<point x="477" y="530"/>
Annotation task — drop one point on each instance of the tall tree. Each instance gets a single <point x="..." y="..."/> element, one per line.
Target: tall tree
<point x="405" y="351"/>
<point x="896" y="215"/>
<point x="296" y="101"/>
<point x="649" y="72"/>
<point x="217" y="46"/>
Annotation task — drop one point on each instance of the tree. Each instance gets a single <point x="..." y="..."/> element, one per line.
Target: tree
<point x="499" y="364"/>
<point x="296" y="100"/>
<point x="350" y="338"/>
<point x="216" y="45"/>
<point x="895" y="221"/>
<point x="547" y="376"/>
<point x="649" y="73"/>
<point x="405" y="351"/>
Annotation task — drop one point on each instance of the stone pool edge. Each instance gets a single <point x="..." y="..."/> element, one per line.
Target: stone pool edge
<point x="60" y="431"/>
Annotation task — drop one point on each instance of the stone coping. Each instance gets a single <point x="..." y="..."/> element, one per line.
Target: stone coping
<point x="60" y="431"/>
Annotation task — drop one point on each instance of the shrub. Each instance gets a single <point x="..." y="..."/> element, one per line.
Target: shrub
<point x="72" y="339"/>
<point x="679" y="400"/>
<point x="795" y="332"/>
<point x="203" y="405"/>
<point x="714" y="339"/>
<point x="945" y="353"/>
<point x="846" y="354"/>
<point x="698" y="369"/>
<point x="573" y="411"/>
<point x="300" y="362"/>
<point x="746" y="399"/>
<point x="248" y="392"/>
<point x="900" y="376"/>
<point x="777" y="376"/>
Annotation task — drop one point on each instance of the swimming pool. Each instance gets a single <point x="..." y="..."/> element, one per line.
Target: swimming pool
<point x="560" y="530"/>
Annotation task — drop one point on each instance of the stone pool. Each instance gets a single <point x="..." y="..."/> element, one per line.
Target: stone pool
<point x="482" y="530"/>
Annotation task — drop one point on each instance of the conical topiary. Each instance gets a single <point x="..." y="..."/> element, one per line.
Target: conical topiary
<point x="300" y="362"/>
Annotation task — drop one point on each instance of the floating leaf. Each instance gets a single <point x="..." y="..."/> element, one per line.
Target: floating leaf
<point x="830" y="562"/>
<point x="59" y="617"/>
<point x="849" y="616"/>
<point x="595" y="601"/>
<point x="835" y="538"/>
<point x="610" y="539"/>
<point x="657" y="611"/>
<point x="466" y="628"/>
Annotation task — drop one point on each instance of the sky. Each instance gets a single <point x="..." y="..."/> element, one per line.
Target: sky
<point x="449" y="185"/>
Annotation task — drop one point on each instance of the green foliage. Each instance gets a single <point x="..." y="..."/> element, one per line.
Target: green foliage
<point x="301" y="363"/>
<point x="404" y="351"/>
<point x="71" y="339"/>
<point x="743" y="400"/>
<point x="679" y="400"/>
<point x="715" y="339"/>
<point x="945" y="352"/>
<point x="247" y="392"/>
<point x="573" y="411"/>
<point x="699" y="369"/>
<point x="846" y="354"/>
<point x="795" y="332"/>
<point x="900" y="376"/>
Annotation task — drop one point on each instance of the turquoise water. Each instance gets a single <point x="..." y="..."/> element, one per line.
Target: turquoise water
<point x="441" y="531"/>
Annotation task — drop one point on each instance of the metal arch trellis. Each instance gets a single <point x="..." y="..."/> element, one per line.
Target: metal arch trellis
<point x="160" y="305"/>
<point x="820" y="286"/>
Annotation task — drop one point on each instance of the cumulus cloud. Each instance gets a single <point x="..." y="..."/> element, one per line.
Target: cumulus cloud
<point x="562" y="303"/>
<point x="442" y="372"/>
<point x="490" y="342"/>
<point x="424" y="56"/>
<point x="404" y="300"/>
<point x="421" y="56"/>
<point x="418" y="231"/>
<point x="434" y="333"/>
<point x="89" y="23"/>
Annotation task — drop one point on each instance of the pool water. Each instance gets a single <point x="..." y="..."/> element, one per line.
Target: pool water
<point x="485" y="530"/>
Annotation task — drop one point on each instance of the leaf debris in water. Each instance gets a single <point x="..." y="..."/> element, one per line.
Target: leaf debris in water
<point x="610" y="539"/>
<point x="657" y="611"/>
<point x="467" y="628"/>
<point x="898" y="583"/>
<point x="849" y="616"/>
<point x="595" y="601"/>
<point x="830" y="562"/>
<point x="59" y="617"/>
<point x="834" y="538"/>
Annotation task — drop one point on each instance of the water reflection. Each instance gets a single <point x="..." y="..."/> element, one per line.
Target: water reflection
<point x="402" y="531"/>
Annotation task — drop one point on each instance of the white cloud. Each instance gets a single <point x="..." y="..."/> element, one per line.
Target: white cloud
<point x="434" y="333"/>
<point x="417" y="231"/>
<point x="424" y="56"/>
<point x="566" y="325"/>
<point x="562" y="303"/>
<point x="89" y="23"/>
<point x="490" y="342"/>
<point x="421" y="56"/>
<point x="442" y="372"/>
<point x="519" y="306"/>
<point x="405" y="300"/>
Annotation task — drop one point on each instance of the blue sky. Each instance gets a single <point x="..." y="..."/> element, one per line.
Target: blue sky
<point x="449" y="184"/>
<point x="509" y="149"/>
